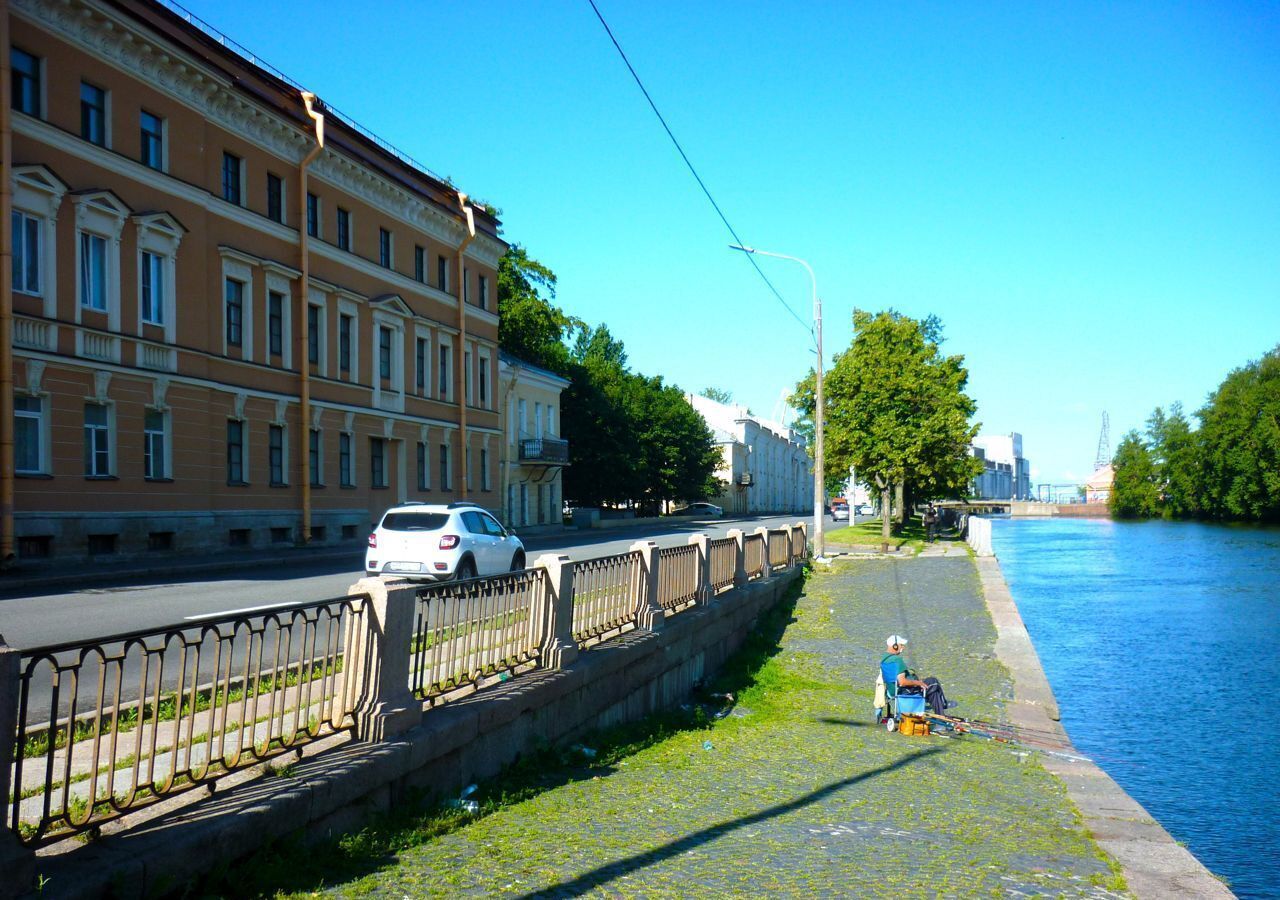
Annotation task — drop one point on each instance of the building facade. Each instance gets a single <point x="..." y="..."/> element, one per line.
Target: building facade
<point x="237" y="318"/>
<point x="764" y="465"/>
<point x="534" y="452"/>
<point x="1006" y="472"/>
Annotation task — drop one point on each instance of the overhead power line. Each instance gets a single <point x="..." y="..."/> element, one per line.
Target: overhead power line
<point x="667" y="128"/>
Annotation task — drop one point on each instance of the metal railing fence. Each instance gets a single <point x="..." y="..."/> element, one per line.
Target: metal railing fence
<point x="722" y="556"/>
<point x="467" y="631"/>
<point x="779" y="548"/>
<point x="114" y="724"/>
<point x="754" y="554"/>
<point x="679" y="577"/>
<point x="606" y="592"/>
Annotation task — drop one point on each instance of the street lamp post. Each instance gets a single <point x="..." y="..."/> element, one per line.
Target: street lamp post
<point x="819" y="492"/>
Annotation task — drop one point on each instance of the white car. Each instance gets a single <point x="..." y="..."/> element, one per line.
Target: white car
<point x="706" y="510"/>
<point x="438" y="542"/>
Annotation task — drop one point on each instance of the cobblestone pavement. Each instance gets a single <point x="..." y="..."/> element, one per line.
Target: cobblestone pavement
<point x="797" y="793"/>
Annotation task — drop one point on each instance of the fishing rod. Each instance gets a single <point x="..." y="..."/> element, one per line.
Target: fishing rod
<point x="992" y="732"/>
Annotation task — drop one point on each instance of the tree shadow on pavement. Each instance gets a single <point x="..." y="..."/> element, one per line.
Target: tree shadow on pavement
<point x="604" y="874"/>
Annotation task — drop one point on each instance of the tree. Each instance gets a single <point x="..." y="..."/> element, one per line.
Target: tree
<point x="1134" y="492"/>
<point x="1175" y="452"/>
<point x="716" y="394"/>
<point x="897" y="411"/>
<point x="1240" y="444"/>
<point x="530" y="326"/>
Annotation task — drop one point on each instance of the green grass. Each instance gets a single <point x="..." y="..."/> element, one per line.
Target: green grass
<point x="910" y="536"/>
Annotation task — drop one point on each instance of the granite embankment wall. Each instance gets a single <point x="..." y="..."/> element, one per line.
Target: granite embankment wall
<point x="340" y="783"/>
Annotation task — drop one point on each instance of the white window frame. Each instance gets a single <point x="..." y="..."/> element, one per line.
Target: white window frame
<point x="110" y="429"/>
<point x="468" y="376"/>
<point x="21" y="262"/>
<point x="160" y="235"/>
<point x="484" y="367"/>
<point x="423" y="333"/>
<point x="101" y="214"/>
<point x="278" y="281"/>
<point x="383" y="319"/>
<point x="240" y="268"/>
<point x="106" y="114"/>
<point x="38" y="193"/>
<point x="166" y="446"/>
<point x="444" y="353"/>
<point x="522" y="413"/>
<point x="244" y="180"/>
<point x="42" y="419"/>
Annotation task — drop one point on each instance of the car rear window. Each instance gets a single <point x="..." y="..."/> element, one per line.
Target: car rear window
<point x="414" y="521"/>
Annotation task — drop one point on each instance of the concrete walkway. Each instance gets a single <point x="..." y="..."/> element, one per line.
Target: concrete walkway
<point x="797" y="793"/>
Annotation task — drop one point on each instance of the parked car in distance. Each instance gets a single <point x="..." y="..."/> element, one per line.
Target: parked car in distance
<point x="438" y="542"/>
<point x="706" y="510"/>
<point x="840" y="512"/>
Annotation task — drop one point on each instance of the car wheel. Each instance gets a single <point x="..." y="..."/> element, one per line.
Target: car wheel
<point x="466" y="569"/>
<point x="517" y="563"/>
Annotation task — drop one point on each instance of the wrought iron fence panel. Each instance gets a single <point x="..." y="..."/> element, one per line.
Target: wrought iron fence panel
<point x="606" y="593"/>
<point x="754" y="552"/>
<point x="468" y="631"/>
<point x="679" y="577"/>
<point x="723" y="559"/>
<point x="118" y="723"/>
<point x="779" y="548"/>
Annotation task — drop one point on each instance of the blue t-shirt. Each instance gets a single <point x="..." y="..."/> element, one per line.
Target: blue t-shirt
<point x="891" y="666"/>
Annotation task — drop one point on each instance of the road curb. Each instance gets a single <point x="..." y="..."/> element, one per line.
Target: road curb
<point x="1153" y="863"/>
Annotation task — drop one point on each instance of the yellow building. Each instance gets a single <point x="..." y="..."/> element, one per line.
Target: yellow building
<point x="237" y="318"/>
<point x="534" y="452"/>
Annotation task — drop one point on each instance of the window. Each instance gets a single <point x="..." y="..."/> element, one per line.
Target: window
<point x="344" y="343"/>
<point x="231" y="166"/>
<point x="423" y="484"/>
<point x="384" y="352"/>
<point x="153" y="441"/>
<point x="313" y="215"/>
<point x="442" y="273"/>
<point x="152" y="150"/>
<point x="420" y="365"/>
<point x="346" y="466"/>
<point x="28" y="427"/>
<point x="93" y="114"/>
<point x="275" y="198"/>
<point x="523" y="406"/>
<point x="313" y="334"/>
<point x="384" y="248"/>
<point x="419" y="264"/>
<point x="235" y="451"/>
<point x="275" y="453"/>
<point x="235" y="312"/>
<point x="275" y="323"/>
<point x="466" y="375"/>
<point x="484" y="381"/>
<point x="484" y="292"/>
<point x="484" y="469"/>
<point x="97" y="441"/>
<point x="153" y="293"/>
<point x="377" y="462"/>
<point x="25" y="86"/>
<point x="93" y="272"/>
<point x="344" y="229"/>
<point x="444" y="370"/>
<point x="466" y="285"/>
<point x="313" y="454"/>
<point x="26" y="252"/>
<point x="537" y="420"/>
<point x="445" y="483"/>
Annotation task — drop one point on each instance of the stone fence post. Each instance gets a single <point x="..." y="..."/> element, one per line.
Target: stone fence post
<point x="705" y="591"/>
<point x="558" y="647"/>
<point x="386" y="707"/>
<point x="739" y="556"/>
<point x="765" y="571"/>
<point x="650" y="616"/>
<point x="17" y="863"/>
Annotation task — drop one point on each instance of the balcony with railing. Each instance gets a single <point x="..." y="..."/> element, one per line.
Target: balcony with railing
<point x="544" y="451"/>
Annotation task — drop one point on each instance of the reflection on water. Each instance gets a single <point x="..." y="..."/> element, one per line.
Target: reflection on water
<point x="1162" y="642"/>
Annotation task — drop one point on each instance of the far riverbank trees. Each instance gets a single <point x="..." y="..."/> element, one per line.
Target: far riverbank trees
<point x="896" y="412"/>
<point x="633" y="439"/>
<point x="1227" y="469"/>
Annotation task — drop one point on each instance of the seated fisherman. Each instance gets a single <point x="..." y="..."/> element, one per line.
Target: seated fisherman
<point x="892" y="665"/>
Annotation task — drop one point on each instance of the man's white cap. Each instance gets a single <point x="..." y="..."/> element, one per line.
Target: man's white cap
<point x="893" y="639"/>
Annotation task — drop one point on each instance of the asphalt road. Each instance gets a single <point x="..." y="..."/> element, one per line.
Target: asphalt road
<point x="62" y="616"/>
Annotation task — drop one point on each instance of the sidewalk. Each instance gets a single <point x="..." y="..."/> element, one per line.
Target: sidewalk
<point x="798" y="793"/>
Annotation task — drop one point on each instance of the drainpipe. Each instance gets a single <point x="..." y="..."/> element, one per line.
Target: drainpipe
<point x="304" y="364"/>
<point x="7" y="555"/>
<point x="461" y="362"/>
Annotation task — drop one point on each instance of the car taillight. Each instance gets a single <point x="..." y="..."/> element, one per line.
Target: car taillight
<point x="373" y="539"/>
<point x="448" y="541"/>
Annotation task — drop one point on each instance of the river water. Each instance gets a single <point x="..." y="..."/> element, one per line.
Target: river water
<point x="1162" y="643"/>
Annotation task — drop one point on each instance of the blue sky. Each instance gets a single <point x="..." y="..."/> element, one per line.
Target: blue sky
<point x="1088" y="195"/>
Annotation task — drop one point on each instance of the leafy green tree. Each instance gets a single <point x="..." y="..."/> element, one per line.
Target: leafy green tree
<point x="1176" y="452"/>
<point x="1134" y="492"/>
<point x="530" y="326"/>
<point x="897" y="411"/>
<point x="1240" y="444"/>
<point x="717" y="394"/>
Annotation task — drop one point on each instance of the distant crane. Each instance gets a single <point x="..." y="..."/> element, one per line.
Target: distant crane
<point x="1104" y="443"/>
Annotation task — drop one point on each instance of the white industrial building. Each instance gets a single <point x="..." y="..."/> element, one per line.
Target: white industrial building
<point x="1006" y="473"/>
<point x="764" y="464"/>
